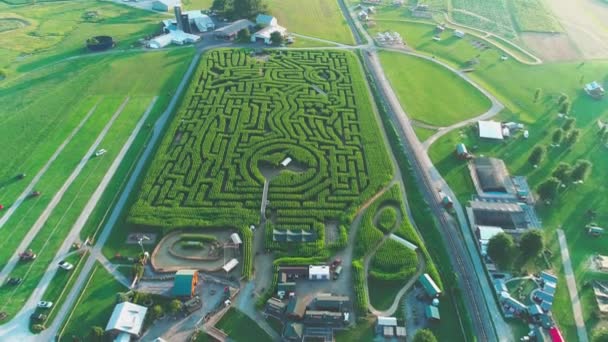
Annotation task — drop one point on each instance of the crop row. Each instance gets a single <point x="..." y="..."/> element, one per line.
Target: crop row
<point x="393" y="261"/>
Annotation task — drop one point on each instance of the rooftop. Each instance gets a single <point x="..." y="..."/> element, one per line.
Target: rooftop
<point x="127" y="317"/>
<point x="490" y="130"/>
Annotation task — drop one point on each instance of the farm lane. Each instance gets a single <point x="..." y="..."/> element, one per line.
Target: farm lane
<point x="158" y="129"/>
<point x="28" y="190"/>
<point x="35" y="229"/>
<point x="572" y="289"/>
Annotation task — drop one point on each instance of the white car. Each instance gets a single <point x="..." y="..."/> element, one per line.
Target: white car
<point x="100" y="152"/>
<point x="66" y="265"/>
<point x="44" y="305"/>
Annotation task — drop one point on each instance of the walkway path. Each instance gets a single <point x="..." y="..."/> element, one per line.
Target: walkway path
<point x="10" y="265"/>
<point x="28" y="190"/>
<point x="572" y="289"/>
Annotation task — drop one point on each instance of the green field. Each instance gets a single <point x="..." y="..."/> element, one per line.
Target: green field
<point x="393" y="261"/>
<point x="330" y="134"/>
<point x="94" y="306"/>
<point x="533" y="16"/>
<point x="328" y="22"/>
<point x="431" y="93"/>
<point x="240" y="328"/>
<point x="382" y="292"/>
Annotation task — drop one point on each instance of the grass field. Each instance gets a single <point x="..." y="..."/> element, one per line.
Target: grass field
<point x="328" y="22"/>
<point x="431" y="93"/>
<point x="94" y="306"/>
<point x="382" y="292"/>
<point x="423" y="133"/>
<point x="533" y="16"/>
<point x="241" y="328"/>
<point x="490" y="15"/>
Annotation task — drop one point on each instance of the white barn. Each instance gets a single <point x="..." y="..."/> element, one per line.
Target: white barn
<point x="318" y="272"/>
<point x="490" y="130"/>
<point x="127" y="320"/>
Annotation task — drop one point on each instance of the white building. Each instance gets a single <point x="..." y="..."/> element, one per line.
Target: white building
<point x="127" y="320"/>
<point x="318" y="272"/>
<point x="165" y="5"/>
<point x="265" y="33"/>
<point x="266" y="20"/>
<point x="230" y="265"/>
<point x="236" y="239"/>
<point x="387" y="321"/>
<point x="286" y="161"/>
<point x="176" y="37"/>
<point x="490" y="130"/>
<point x="202" y="21"/>
<point x="485" y="234"/>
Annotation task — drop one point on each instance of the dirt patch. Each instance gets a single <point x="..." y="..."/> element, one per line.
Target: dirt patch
<point x="584" y="22"/>
<point x="551" y="46"/>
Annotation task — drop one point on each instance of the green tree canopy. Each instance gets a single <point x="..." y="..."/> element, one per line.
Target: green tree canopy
<point x="562" y="172"/>
<point x="537" y="155"/>
<point x="424" y="335"/>
<point x="175" y="306"/>
<point x="581" y="170"/>
<point x="557" y="136"/>
<point x="531" y="243"/>
<point x="572" y="138"/>
<point x="244" y="35"/>
<point x="548" y="189"/>
<point x="500" y="250"/>
<point x="276" y="38"/>
<point x="569" y="124"/>
<point x="600" y="335"/>
<point x="157" y="311"/>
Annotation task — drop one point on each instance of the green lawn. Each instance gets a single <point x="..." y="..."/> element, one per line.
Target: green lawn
<point x="240" y="328"/>
<point x="382" y="292"/>
<point x="364" y="331"/>
<point x="423" y="133"/>
<point x="431" y="93"/>
<point x="94" y="307"/>
<point x="318" y="18"/>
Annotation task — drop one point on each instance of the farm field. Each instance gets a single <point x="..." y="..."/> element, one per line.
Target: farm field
<point x="329" y="23"/>
<point x="534" y="16"/>
<point x="94" y="306"/>
<point x="431" y="93"/>
<point x="329" y="176"/>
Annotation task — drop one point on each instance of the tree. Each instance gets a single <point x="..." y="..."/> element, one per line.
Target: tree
<point x="38" y="328"/>
<point x="548" y="189"/>
<point x="562" y="98"/>
<point x="97" y="333"/>
<point x="218" y="5"/>
<point x="157" y="311"/>
<point x="531" y="243"/>
<point x="500" y="250"/>
<point x="557" y="136"/>
<point x="244" y="36"/>
<point x="537" y="155"/>
<point x="245" y="8"/>
<point x="569" y="124"/>
<point x="562" y="172"/>
<point x="581" y="170"/>
<point x="137" y="270"/>
<point x="572" y="137"/>
<point x="424" y="335"/>
<point x="564" y="108"/>
<point x="175" y="306"/>
<point x="537" y="94"/>
<point x="276" y="38"/>
<point x="600" y="335"/>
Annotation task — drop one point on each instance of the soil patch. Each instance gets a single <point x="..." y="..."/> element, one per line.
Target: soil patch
<point x="551" y="46"/>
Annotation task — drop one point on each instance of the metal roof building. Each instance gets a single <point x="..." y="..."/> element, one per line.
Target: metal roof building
<point x="127" y="318"/>
<point x="318" y="272"/>
<point x="229" y="32"/>
<point x="492" y="175"/>
<point x="490" y="130"/>
<point x="184" y="284"/>
<point x="429" y="285"/>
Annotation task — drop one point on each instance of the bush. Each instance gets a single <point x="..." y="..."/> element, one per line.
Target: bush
<point x="36" y="328"/>
<point x="175" y="306"/>
<point x="157" y="311"/>
<point x="500" y="250"/>
<point x="192" y="244"/>
<point x="359" y="286"/>
<point x="387" y="219"/>
<point x="198" y="237"/>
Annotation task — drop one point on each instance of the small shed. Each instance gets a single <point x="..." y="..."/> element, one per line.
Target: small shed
<point x="548" y="277"/>
<point x="236" y="239"/>
<point x="400" y="332"/>
<point x="595" y="90"/>
<point x="388" y="331"/>
<point x="230" y="265"/>
<point x="184" y="284"/>
<point x="286" y="162"/>
<point x="318" y="272"/>
<point x="431" y="289"/>
<point x="535" y="310"/>
<point x="432" y="313"/>
<point x="595" y="231"/>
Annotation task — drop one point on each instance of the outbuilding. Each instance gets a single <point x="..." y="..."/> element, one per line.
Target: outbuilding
<point x="266" y="33"/>
<point x="462" y="152"/>
<point x="165" y="5"/>
<point x="184" y="284"/>
<point x="236" y="239"/>
<point x="431" y="289"/>
<point x="318" y="272"/>
<point x="230" y="265"/>
<point x="126" y="321"/>
<point x="490" y="130"/>
<point x="231" y="31"/>
<point x="432" y="313"/>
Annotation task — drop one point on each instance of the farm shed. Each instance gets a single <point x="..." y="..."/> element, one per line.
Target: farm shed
<point x="294" y="332"/>
<point x="400" y="332"/>
<point x="127" y="320"/>
<point x="230" y="32"/>
<point x="165" y="5"/>
<point x="176" y="37"/>
<point x="266" y="20"/>
<point x="458" y="33"/>
<point x="236" y="239"/>
<point x="230" y="265"/>
<point x="490" y="130"/>
<point x="485" y="233"/>
<point x="318" y="272"/>
<point x="202" y="21"/>
<point x="431" y="289"/>
<point x="296" y="308"/>
<point x="184" y="284"/>
<point x="387" y="321"/>
<point x="507" y="215"/>
<point x="275" y="306"/>
<point x="492" y="175"/>
<point x="595" y="231"/>
<point x="328" y="301"/>
<point x="461" y="151"/>
<point x="535" y="309"/>
<point x="513" y="303"/>
<point x="547" y="277"/>
<point x="388" y="331"/>
<point x="265" y="33"/>
<point x="286" y="161"/>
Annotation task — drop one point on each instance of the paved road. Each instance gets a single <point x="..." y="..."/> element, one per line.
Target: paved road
<point x="28" y="190"/>
<point x="572" y="289"/>
<point x="158" y="129"/>
<point x="10" y="265"/>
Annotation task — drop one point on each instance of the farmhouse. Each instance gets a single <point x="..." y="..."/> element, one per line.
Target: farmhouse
<point x="230" y="32"/>
<point x="490" y="130"/>
<point x="126" y="321"/>
<point x="431" y="289"/>
<point x="165" y="5"/>
<point x="595" y="90"/>
<point x="184" y="285"/>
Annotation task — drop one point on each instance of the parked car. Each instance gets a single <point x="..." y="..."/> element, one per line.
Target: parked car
<point x="100" y="152"/>
<point x="27" y="255"/>
<point x="65" y="265"/>
<point x="44" y="305"/>
<point x="38" y="317"/>
<point x="21" y="176"/>
<point x="14" y="281"/>
<point x="337" y="272"/>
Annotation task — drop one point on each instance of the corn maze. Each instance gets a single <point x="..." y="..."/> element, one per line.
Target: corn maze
<point x="242" y="115"/>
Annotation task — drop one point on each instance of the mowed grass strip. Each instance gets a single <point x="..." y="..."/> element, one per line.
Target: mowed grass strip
<point x="240" y="328"/>
<point x="62" y="219"/>
<point x="94" y="307"/>
<point x="316" y="18"/>
<point x="429" y="92"/>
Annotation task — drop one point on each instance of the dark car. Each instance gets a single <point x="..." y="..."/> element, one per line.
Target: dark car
<point x="38" y="317"/>
<point x="14" y="281"/>
<point x="27" y="255"/>
<point x="35" y="193"/>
